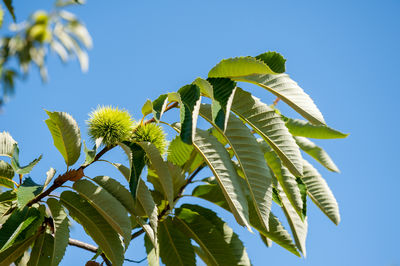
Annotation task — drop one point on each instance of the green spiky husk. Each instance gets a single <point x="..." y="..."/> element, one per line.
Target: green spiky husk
<point x="112" y="124"/>
<point x="152" y="133"/>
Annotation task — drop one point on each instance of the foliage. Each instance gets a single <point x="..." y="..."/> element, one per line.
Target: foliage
<point x="252" y="150"/>
<point x="29" y="42"/>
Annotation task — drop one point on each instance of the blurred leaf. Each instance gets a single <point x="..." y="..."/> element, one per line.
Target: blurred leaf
<point x="303" y="128"/>
<point x="8" y="4"/>
<point x="95" y="226"/>
<point x="317" y="153"/>
<point x="61" y="230"/>
<point x="66" y="135"/>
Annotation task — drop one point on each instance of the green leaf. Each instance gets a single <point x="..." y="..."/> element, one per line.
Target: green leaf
<point x="251" y="160"/>
<point x="317" y="153"/>
<point x="297" y="225"/>
<point x="320" y="193"/>
<point x="238" y="67"/>
<point x="1" y="16"/>
<point x="178" y="178"/>
<point x="159" y="105"/>
<point x="8" y="256"/>
<point x="6" y="174"/>
<point x="91" y="154"/>
<point x="175" y="247"/>
<point x="137" y="159"/>
<point x="205" y="87"/>
<point x="289" y="91"/>
<point x="219" y="162"/>
<point x="276" y="232"/>
<point x="6" y="144"/>
<point x="231" y="238"/>
<point x="266" y="240"/>
<point x="41" y="253"/>
<point x="66" y="135"/>
<point x="303" y="128"/>
<point x="189" y="109"/>
<point x="61" y="230"/>
<point x="27" y="191"/>
<point x="205" y="233"/>
<point x="119" y="192"/>
<point x="284" y="177"/>
<point x="22" y="170"/>
<point x="106" y="205"/>
<point x="303" y="193"/>
<point x="147" y="107"/>
<point x="274" y="60"/>
<point x="8" y="4"/>
<point x="8" y="195"/>
<point x="49" y="176"/>
<point x="223" y="91"/>
<point x="204" y="256"/>
<point x="95" y="225"/>
<point x="183" y="155"/>
<point x="152" y="254"/>
<point x="145" y="198"/>
<point x="161" y="169"/>
<point x="269" y="125"/>
<point x="15" y="225"/>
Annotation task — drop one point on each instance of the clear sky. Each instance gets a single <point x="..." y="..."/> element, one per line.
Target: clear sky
<point x="345" y="54"/>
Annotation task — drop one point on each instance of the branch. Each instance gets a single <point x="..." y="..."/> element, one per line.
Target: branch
<point x="69" y="175"/>
<point x="80" y="244"/>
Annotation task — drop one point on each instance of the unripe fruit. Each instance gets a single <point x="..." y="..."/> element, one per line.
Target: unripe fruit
<point x="41" y="17"/>
<point x="111" y="124"/>
<point x="152" y="133"/>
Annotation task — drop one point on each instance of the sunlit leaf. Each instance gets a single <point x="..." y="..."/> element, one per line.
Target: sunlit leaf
<point x="298" y="127"/>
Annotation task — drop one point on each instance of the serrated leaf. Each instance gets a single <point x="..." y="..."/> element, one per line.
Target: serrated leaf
<point x="289" y="91"/>
<point x="276" y="232"/>
<point x="223" y="91"/>
<point x="180" y="154"/>
<point x="219" y="162"/>
<point x="320" y="193"/>
<point x="145" y="198"/>
<point x="18" y="223"/>
<point x="189" y="110"/>
<point x="152" y="254"/>
<point x="22" y="170"/>
<point x="49" y="176"/>
<point x="6" y="144"/>
<point x="147" y="107"/>
<point x="66" y="135"/>
<point x="269" y="125"/>
<point x="298" y="127"/>
<point x="137" y="159"/>
<point x="175" y="247"/>
<point x="8" y="256"/>
<point x="41" y="253"/>
<point x="6" y="174"/>
<point x="266" y="240"/>
<point x="284" y="177"/>
<point x="231" y="238"/>
<point x="297" y="225"/>
<point x="27" y="191"/>
<point x="161" y="169"/>
<point x="205" y="87"/>
<point x="106" y="205"/>
<point x="238" y="67"/>
<point x="317" y="153"/>
<point x="95" y="226"/>
<point x="159" y="105"/>
<point x="204" y="256"/>
<point x="251" y="160"/>
<point x="205" y="234"/>
<point x="61" y="230"/>
<point x="274" y="60"/>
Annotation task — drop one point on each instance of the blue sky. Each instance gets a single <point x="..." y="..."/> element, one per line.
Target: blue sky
<point x="343" y="53"/>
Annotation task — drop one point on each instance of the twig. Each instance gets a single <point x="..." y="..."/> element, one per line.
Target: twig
<point x="80" y="244"/>
<point x="276" y="101"/>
